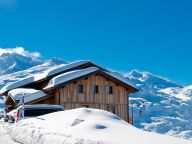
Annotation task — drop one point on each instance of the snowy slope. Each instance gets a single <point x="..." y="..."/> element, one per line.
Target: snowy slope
<point x="84" y="126"/>
<point x="167" y="105"/>
<point x="181" y="93"/>
<point x="4" y="137"/>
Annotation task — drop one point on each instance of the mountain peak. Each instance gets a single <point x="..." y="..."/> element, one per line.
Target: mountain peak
<point x="12" y="62"/>
<point x="55" y="61"/>
<point x="135" y="73"/>
<point x="58" y="60"/>
<point x="147" y="78"/>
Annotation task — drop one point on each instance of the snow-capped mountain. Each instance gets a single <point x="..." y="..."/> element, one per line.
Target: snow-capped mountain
<point x="150" y="80"/>
<point x="12" y="62"/>
<point x="167" y="106"/>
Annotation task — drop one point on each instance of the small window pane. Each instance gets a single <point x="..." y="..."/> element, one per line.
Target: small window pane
<point x="110" y="90"/>
<point x="96" y="89"/>
<point x="80" y="89"/>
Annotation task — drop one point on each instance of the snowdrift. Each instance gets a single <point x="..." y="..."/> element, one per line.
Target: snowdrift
<point x="84" y="126"/>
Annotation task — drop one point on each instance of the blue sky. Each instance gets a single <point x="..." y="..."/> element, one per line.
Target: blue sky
<point x="154" y="36"/>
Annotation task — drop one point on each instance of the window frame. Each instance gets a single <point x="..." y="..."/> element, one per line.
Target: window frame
<point x="96" y="89"/>
<point x="110" y="90"/>
<point x="80" y="88"/>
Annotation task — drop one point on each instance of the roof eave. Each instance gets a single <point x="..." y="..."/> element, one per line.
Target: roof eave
<point x="130" y="88"/>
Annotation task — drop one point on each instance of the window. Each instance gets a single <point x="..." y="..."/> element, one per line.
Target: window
<point x="80" y="88"/>
<point x="96" y="89"/>
<point x="86" y="106"/>
<point x="110" y="90"/>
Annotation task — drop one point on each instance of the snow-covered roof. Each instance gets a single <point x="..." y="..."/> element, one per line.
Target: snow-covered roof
<point x="63" y="67"/>
<point x="29" y="94"/>
<point x="17" y="94"/>
<point x="17" y="84"/>
<point x="63" y="78"/>
<point x="53" y="71"/>
<point x="69" y="76"/>
<point x="121" y="78"/>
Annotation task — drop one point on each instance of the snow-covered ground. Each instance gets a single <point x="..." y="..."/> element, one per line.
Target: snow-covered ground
<point x="84" y="126"/>
<point x="4" y="136"/>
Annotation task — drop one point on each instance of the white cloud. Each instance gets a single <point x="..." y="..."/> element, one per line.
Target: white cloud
<point x="22" y="51"/>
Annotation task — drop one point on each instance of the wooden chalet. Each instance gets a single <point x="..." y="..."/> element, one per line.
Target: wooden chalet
<point x="79" y="84"/>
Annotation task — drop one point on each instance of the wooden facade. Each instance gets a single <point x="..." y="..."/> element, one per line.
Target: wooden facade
<point x="69" y="96"/>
